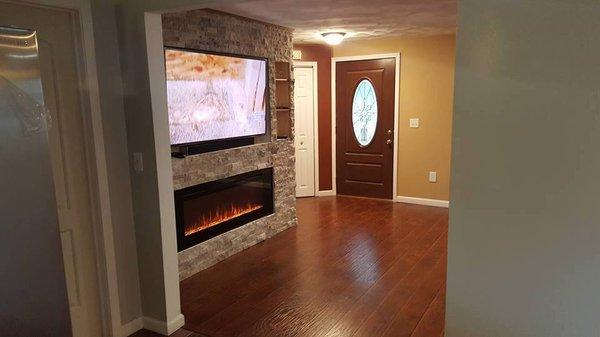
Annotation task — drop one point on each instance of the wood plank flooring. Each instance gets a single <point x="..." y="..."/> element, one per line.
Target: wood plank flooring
<point x="352" y="267"/>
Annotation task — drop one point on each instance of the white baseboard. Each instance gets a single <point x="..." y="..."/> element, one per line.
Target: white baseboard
<point x="328" y="193"/>
<point x="161" y="327"/>
<point x="423" y="201"/>
<point x="131" y="327"/>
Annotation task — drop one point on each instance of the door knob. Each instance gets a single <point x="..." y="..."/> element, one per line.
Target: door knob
<point x="388" y="142"/>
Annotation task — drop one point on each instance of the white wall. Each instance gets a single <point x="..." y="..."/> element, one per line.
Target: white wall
<point x="524" y="241"/>
<point x="117" y="161"/>
<point x="153" y="210"/>
<point x="142" y="69"/>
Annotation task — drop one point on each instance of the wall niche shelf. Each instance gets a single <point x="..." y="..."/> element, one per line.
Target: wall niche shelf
<point x="283" y="99"/>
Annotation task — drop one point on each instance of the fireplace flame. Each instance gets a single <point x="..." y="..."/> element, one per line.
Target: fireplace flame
<point x="219" y="216"/>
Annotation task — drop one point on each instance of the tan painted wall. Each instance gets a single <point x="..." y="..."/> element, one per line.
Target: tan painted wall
<point x="426" y="92"/>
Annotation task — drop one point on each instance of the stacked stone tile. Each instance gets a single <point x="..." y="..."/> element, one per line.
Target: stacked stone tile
<point x="220" y="32"/>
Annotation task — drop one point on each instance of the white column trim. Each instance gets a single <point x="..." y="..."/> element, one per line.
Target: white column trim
<point x="164" y="172"/>
<point x="423" y="201"/>
<point x="131" y="327"/>
<point x="161" y="327"/>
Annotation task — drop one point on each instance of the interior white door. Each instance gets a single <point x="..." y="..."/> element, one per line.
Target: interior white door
<point x="58" y="45"/>
<point x="305" y="132"/>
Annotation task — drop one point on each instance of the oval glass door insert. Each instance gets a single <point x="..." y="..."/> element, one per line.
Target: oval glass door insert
<point x="364" y="113"/>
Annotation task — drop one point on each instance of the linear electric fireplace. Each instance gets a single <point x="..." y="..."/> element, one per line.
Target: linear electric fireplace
<point x="210" y="209"/>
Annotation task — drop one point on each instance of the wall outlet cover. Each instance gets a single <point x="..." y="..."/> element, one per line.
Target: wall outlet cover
<point x="432" y="177"/>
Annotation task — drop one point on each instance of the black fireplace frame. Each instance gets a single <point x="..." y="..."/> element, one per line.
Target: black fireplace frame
<point x="184" y="242"/>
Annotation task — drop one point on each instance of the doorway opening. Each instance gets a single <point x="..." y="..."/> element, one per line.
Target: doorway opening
<point x="306" y="127"/>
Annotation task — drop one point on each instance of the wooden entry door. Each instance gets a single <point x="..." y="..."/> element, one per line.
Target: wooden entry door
<point x="365" y="100"/>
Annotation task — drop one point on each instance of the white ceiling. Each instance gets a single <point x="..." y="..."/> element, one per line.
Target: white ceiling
<point x="359" y="18"/>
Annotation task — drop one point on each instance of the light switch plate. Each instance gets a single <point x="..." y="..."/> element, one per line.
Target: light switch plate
<point x="413" y="123"/>
<point x="138" y="162"/>
<point x="432" y="177"/>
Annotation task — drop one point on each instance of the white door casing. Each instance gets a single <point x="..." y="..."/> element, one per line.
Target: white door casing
<point x="57" y="44"/>
<point x="67" y="150"/>
<point x="304" y="137"/>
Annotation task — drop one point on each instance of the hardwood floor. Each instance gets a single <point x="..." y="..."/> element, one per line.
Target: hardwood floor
<point x="352" y="267"/>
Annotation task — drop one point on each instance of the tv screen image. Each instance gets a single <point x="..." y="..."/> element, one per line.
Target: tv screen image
<point x="213" y="97"/>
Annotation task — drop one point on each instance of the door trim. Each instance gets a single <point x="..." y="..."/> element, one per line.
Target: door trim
<point x="334" y="61"/>
<point x="95" y="157"/>
<point x="314" y="66"/>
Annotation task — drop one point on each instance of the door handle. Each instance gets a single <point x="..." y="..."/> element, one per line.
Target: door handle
<point x="388" y="142"/>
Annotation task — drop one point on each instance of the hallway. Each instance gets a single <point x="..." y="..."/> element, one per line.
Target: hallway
<point x="352" y="267"/>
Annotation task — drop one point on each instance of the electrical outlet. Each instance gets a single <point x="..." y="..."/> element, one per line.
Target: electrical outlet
<point x="432" y="177"/>
<point x="413" y="122"/>
<point x="138" y="162"/>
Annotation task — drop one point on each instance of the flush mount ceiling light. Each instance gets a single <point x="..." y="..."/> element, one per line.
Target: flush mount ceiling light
<point x="333" y="38"/>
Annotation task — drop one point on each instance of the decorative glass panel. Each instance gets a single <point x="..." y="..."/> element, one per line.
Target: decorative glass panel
<point x="364" y="112"/>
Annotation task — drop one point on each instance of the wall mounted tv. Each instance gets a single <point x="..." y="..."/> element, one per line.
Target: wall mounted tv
<point x="214" y="97"/>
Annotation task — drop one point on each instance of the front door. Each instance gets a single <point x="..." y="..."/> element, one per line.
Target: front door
<point x="58" y="56"/>
<point x="304" y="131"/>
<point x="365" y="94"/>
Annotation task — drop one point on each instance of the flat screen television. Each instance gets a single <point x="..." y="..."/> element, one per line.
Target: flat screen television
<point x="214" y="96"/>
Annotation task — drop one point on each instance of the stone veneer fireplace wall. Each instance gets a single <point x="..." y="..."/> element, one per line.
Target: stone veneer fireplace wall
<point x="220" y="32"/>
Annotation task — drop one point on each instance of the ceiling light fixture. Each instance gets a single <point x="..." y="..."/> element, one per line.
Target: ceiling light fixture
<point x="333" y="38"/>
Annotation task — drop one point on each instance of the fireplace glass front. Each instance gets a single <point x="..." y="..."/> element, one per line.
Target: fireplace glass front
<point x="210" y="209"/>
